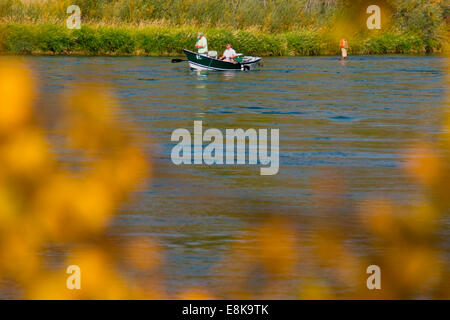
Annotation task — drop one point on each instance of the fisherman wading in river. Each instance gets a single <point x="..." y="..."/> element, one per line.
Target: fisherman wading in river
<point x="202" y="44"/>
<point x="344" y="47"/>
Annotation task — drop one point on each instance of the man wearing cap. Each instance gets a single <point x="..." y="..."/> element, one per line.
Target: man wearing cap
<point x="202" y="44"/>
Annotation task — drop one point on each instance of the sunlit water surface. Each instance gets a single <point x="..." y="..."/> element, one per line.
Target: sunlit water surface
<point x="344" y="128"/>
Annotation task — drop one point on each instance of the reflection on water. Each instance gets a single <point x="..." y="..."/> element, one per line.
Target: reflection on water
<point x="347" y="122"/>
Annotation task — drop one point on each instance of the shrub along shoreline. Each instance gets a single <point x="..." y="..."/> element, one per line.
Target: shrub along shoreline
<point x="92" y="40"/>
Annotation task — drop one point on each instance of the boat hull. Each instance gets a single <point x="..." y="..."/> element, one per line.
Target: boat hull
<point x="203" y="62"/>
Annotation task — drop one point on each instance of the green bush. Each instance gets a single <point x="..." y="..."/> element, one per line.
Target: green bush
<point x="388" y="43"/>
<point x="164" y="41"/>
<point x="54" y="39"/>
<point x="86" y="40"/>
<point x="254" y="43"/>
<point x="116" y="41"/>
<point x="304" y="43"/>
<point x="18" y="39"/>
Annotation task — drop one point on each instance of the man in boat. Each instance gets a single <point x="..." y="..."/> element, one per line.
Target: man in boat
<point x="344" y="47"/>
<point x="229" y="54"/>
<point x="202" y="44"/>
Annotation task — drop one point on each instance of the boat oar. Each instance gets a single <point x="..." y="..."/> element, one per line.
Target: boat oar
<point x="177" y="60"/>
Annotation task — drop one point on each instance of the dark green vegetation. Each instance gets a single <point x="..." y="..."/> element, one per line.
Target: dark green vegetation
<point x="51" y="39"/>
<point x="257" y="27"/>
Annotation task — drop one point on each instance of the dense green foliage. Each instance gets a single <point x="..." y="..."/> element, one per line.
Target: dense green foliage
<point x="263" y="27"/>
<point x="53" y="39"/>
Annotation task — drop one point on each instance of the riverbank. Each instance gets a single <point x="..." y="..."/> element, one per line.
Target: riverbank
<point x="96" y="40"/>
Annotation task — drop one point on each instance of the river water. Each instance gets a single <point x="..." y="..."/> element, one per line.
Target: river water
<point x="344" y="128"/>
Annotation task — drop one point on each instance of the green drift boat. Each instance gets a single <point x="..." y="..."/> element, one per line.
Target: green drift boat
<point x="210" y="62"/>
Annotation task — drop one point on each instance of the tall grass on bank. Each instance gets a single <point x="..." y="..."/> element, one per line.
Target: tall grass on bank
<point x="264" y="15"/>
<point x="164" y="41"/>
<point x="267" y="15"/>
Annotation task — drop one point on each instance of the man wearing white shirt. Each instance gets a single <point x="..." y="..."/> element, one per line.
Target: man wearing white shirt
<point x="229" y="54"/>
<point x="202" y="44"/>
